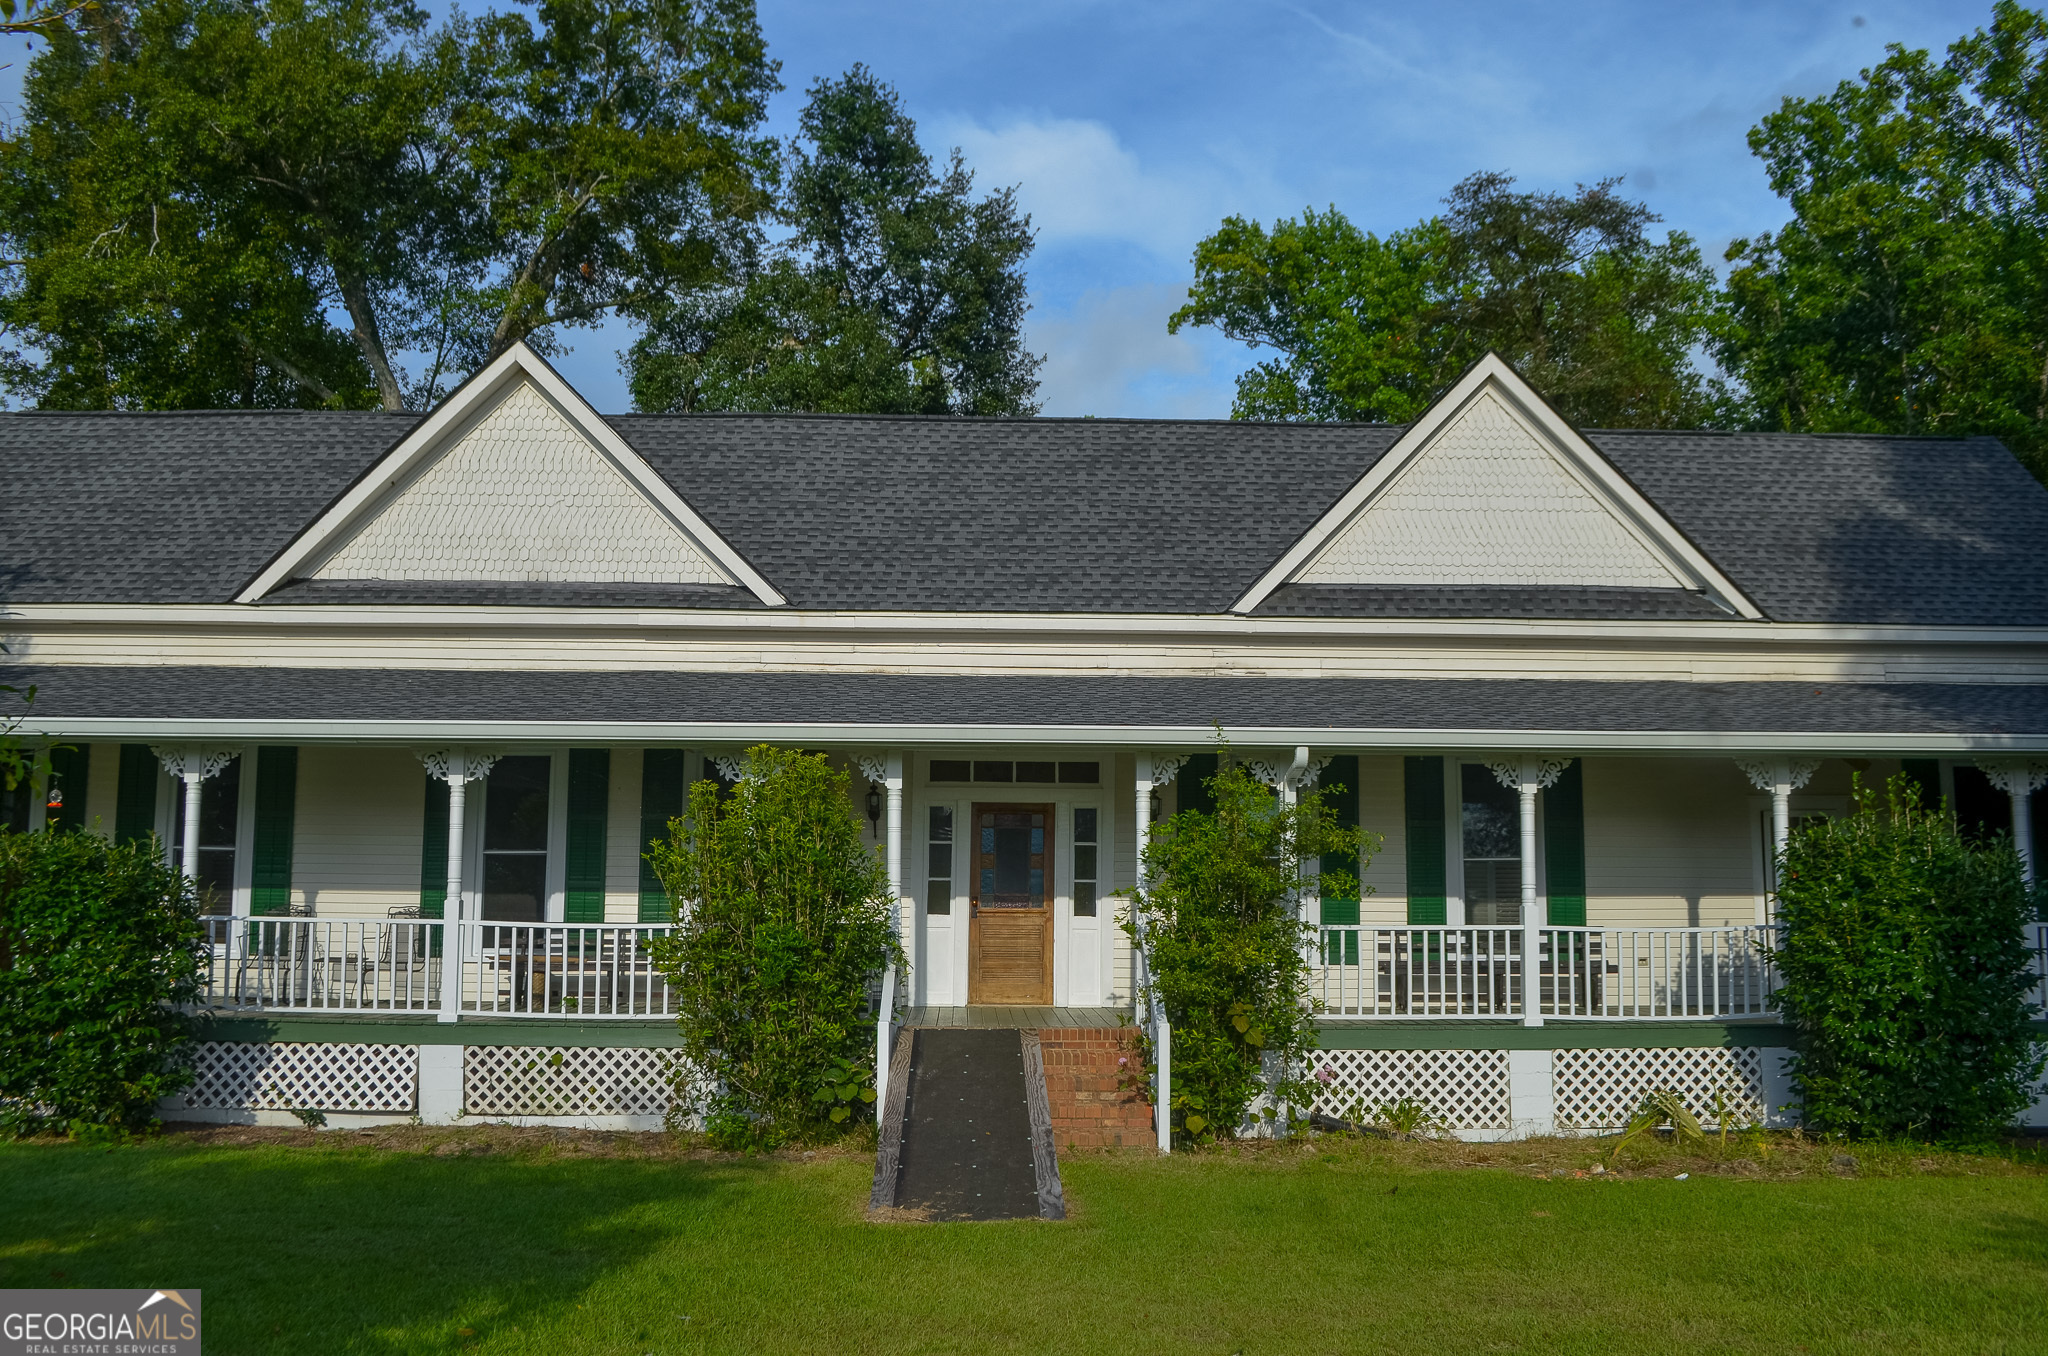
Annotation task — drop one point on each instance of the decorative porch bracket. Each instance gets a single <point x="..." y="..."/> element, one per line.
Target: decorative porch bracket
<point x="731" y="766"/>
<point x="1780" y="778"/>
<point x="191" y="765"/>
<point x="457" y="767"/>
<point x="1525" y="777"/>
<point x="2019" y="778"/>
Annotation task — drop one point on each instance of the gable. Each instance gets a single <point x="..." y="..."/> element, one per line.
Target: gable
<point x="1486" y="502"/>
<point x="514" y="479"/>
<point x="1491" y="489"/>
<point x="519" y="496"/>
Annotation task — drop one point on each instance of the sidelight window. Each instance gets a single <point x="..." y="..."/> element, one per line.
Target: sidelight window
<point x="1085" y="862"/>
<point x="938" y="883"/>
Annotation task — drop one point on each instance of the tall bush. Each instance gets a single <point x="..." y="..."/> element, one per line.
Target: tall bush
<point x="1906" y="973"/>
<point x="100" y="948"/>
<point x="783" y="917"/>
<point x="1228" y="949"/>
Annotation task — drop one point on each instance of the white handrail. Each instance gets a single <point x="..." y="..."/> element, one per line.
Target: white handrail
<point x="563" y="971"/>
<point x="323" y="964"/>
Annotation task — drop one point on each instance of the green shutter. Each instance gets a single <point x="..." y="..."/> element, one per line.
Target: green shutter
<point x="1423" y="789"/>
<point x="590" y="777"/>
<point x="1193" y="781"/>
<point x="1564" y="847"/>
<point x="1924" y="773"/>
<point x="1340" y="793"/>
<point x="277" y="800"/>
<point x="434" y="850"/>
<point x="661" y="799"/>
<point x="135" y="798"/>
<point x="68" y="784"/>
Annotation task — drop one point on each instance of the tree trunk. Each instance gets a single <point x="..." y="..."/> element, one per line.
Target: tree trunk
<point x="355" y="295"/>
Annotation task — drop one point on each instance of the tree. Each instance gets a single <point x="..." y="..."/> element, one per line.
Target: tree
<point x="198" y="184"/>
<point x="1907" y="293"/>
<point x="783" y="918"/>
<point x="896" y="292"/>
<point x="1570" y="289"/>
<point x="1906" y="973"/>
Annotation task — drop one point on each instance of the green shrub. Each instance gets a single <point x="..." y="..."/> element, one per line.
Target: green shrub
<point x="787" y="920"/>
<point x="1906" y="973"/>
<point x="1228" y="953"/>
<point x="100" y="945"/>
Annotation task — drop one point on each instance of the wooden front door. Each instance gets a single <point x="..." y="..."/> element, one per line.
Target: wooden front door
<point x="1009" y="912"/>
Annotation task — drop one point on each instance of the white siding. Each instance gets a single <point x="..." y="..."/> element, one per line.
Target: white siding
<point x="1670" y="842"/>
<point x="521" y="496"/>
<point x="356" y="839"/>
<point x="1487" y="503"/>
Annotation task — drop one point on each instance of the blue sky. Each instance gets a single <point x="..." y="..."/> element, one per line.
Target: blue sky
<point x="1132" y="128"/>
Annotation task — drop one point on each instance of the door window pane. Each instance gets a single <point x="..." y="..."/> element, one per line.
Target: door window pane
<point x="1011" y="862"/>
<point x="938" y="885"/>
<point x="1490" y="819"/>
<point x="1085" y="868"/>
<point x="515" y="883"/>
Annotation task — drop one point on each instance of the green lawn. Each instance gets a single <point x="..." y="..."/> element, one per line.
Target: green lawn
<point x="351" y="1244"/>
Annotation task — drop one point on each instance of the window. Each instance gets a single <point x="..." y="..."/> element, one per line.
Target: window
<point x="515" y="876"/>
<point x="1085" y="862"/>
<point x="1026" y="771"/>
<point x="1490" y="819"/>
<point x="220" y="813"/>
<point x="938" y="870"/>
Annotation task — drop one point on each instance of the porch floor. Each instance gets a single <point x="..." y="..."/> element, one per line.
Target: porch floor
<point x="1023" y="1018"/>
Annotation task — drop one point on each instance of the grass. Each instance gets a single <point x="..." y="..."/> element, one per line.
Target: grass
<point x="505" y="1241"/>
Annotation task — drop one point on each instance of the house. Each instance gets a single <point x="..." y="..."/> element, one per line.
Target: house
<point x="410" y="693"/>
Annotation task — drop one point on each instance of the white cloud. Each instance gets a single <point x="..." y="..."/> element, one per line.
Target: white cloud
<point x="1110" y="354"/>
<point x="1080" y="183"/>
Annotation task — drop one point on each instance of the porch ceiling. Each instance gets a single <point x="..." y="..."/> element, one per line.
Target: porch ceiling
<point x="659" y="705"/>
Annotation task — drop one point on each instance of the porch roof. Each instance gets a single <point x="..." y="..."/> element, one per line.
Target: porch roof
<point x="412" y="705"/>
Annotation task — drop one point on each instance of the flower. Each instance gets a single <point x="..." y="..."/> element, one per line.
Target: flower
<point x="1326" y="1075"/>
<point x="1122" y="1060"/>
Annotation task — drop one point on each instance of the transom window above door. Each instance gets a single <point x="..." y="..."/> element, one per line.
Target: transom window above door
<point x="1026" y="771"/>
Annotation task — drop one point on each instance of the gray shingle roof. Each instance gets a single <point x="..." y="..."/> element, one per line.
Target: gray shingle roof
<point x="1306" y="704"/>
<point x="1041" y="515"/>
<point x="1574" y="604"/>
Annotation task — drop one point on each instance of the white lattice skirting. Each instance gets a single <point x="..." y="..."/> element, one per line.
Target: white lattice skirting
<point x="1462" y="1089"/>
<point x="1601" y="1089"/>
<point x="515" y="1080"/>
<point x="294" y="1076"/>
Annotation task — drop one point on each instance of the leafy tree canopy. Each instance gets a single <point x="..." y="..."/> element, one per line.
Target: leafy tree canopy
<point x="197" y="186"/>
<point x="1571" y="289"/>
<point x="896" y="291"/>
<point x="1906" y="293"/>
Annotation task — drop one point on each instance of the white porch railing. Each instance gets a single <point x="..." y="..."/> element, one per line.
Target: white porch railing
<point x="323" y="965"/>
<point x="1631" y="973"/>
<point x="562" y="970"/>
<point x="1656" y="973"/>
<point x="2037" y="938"/>
<point x="1419" y="972"/>
<point x="557" y="970"/>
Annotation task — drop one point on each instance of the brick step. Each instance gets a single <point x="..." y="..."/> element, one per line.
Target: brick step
<point x="1094" y="1081"/>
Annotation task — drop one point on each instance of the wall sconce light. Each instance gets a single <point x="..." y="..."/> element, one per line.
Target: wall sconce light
<point x="1157" y="806"/>
<point x="874" y="809"/>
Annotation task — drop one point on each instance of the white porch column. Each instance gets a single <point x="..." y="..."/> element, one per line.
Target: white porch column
<point x="1780" y="777"/>
<point x="1155" y="771"/>
<point x="457" y="767"/>
<point x="191" y="766"/>
<point x="2019" y="778"/>
<point x="1525" y="777"/>
<point x="887" y="769"/>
